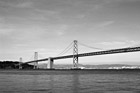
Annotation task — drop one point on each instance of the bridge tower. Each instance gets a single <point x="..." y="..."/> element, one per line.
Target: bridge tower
<point x="75" y="54"/>
<point x="35" y="59"/>
<point x="20" y="61"/>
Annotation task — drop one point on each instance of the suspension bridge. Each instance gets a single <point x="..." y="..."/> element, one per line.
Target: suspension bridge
<point x="76" y="55"/>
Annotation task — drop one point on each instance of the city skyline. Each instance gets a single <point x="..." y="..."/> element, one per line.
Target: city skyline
<point x="49" y="26"/>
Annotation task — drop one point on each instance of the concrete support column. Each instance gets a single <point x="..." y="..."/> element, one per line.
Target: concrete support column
<point x="35" y="59"/>
<point x="50" y="63"/>
<point x="20" y="62"/>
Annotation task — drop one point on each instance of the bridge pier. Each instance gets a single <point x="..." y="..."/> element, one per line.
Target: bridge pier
<point x="50" y="63"/>
<point x="36" y="58"/>
<point x="20" y="62"/>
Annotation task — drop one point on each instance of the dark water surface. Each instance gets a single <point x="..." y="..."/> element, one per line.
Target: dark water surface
<point x="69" y="81"/>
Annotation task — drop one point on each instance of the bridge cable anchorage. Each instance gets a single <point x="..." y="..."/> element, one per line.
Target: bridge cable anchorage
<point x="90" y="46"/>
<point x="66" y="49"/>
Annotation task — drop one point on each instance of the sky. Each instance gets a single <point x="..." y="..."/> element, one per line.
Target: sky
<point x="49" y="26"/>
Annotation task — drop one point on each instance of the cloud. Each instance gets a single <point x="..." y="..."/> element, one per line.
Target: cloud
<point x="133" y="43"/>
<point x="104" y="24"/>
<point x="21" y="45"/>
<point x="121" y="44"/>
<point x="16" y="4"/>
<point x="5" y="29"/>
<point x="51" y="12"/>
<point x="58" y="29"/>
<point x="113" y="43"/>
<point x="61" y="30"/>
<point x="112" y="1"/>
<point x="24" y="5"/>
<point x="44" y="14"/>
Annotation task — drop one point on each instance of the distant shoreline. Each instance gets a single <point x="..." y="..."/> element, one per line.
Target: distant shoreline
<point x="65" y="69"/>
<point x="68" y="71"/>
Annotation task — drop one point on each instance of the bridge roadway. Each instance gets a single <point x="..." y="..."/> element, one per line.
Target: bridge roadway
<point x="112" y="51"/>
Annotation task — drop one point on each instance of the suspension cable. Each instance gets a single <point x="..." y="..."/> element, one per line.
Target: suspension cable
<point x="32" y="57"/>
<point x="90" y="46"/>
<point x="40" y="56"/>
<point x="66" y="49"/>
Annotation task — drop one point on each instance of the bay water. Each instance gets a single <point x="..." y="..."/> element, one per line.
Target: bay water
<point x="69" y="81"/>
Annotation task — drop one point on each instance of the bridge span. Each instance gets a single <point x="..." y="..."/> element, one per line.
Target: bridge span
<point x="75" y="56"/>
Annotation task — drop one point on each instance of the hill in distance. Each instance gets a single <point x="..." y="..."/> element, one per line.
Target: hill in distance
<point x="103" y="66"/>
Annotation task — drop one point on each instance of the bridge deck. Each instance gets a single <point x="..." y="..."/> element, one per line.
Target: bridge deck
<point x="112" y="51"/>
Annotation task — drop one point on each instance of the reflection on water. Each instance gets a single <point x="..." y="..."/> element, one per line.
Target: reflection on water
<point x="75" y="83"/>
<point x="70" y="83"/>
<point x="51" y="83"/>
<point x="67" y="83"/>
